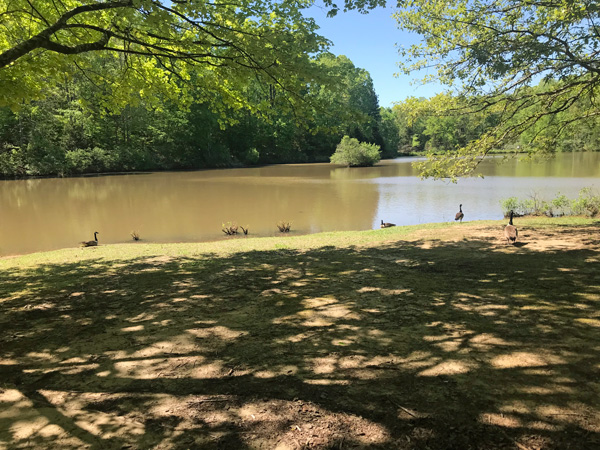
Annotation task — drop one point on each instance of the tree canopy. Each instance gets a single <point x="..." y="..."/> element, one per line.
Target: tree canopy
<point x="70" y="130"/>
<point x="492" y="51"/>
<point x="149" y="46"/>
<point x="145" y="47"/>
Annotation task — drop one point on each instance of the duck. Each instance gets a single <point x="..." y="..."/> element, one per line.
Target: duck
<point x="91" y="243"/>
<point x="459" y="214"/>
<point x="387" y="224"/>
<point x="510" y="231"/>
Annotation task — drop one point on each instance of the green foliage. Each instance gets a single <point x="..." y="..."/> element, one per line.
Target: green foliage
<point x="153" y="49"/>
<point x="116" y="85"/>
<point x="390" y="133"/>
<point x="416" y="142"/>
<point x="510" y="204"/>
<point x="146" y="50"/>
<point x="559" y="205"/>
<point x="93" y="160"/>
<point x="13" y="162"/>
<point x="492" y="51"/>
<point x="350" y="107"/>
<point x="252" y="156"/>
<point x="70" y="132"/>
<point x="353" y="153"/>
<point x="586" y="204"/>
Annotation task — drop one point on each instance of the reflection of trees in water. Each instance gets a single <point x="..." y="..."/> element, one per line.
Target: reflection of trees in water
<point x="381" y="170"/>
<point x="573" y="164"/>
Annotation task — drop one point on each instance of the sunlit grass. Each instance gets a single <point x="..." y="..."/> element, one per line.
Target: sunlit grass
<point x="243" y="243"/>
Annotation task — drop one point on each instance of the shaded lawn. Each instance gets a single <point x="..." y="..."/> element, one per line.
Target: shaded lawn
<point x="413" y="343"/>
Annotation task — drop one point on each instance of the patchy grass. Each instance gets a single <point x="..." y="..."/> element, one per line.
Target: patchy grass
<point x="425" y="337"/>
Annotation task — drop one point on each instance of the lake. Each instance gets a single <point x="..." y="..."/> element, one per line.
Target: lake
<point x="47" y="214"/>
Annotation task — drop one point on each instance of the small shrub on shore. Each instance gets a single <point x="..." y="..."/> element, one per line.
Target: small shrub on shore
<point x="587" y="204"/>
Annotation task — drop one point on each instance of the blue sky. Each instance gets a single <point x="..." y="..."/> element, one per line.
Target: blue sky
<point x="369" y="40"/>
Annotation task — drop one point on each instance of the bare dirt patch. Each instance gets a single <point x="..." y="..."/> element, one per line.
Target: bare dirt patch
<point x="445" y="339"/>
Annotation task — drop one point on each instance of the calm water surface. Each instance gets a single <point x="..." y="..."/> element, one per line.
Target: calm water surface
<point x="46" y="214"/>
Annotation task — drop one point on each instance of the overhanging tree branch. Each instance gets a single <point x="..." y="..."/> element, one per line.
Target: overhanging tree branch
<point x="493" y="50"/>
<point x="42" y="39"/>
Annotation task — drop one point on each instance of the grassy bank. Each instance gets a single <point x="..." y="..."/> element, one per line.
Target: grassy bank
<point x="241" y="243"/>
<point x="437" y="336"/>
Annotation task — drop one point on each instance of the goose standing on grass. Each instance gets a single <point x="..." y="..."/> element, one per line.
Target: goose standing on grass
<point x="459" y="214"/>
<point x="91" y="243"/>
<point x="387" y="224"/>
<point x="510" y="231"/>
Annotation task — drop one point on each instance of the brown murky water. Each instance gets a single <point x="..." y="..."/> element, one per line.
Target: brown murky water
<point x="45" y="214"/>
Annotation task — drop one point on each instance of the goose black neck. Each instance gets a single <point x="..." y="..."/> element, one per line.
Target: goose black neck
<point x="511" y="217"/>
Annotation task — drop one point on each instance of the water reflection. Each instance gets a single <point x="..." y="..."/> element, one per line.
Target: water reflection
<point x="46" y="214"/>
<point x="576" y="165"/>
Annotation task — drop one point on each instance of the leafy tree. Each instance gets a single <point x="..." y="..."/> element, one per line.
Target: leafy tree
<point x="411" y="115"/>
<point x="156" y="46"/>
<point x="119" y="107"/>
<point x="353" y="153"/>
<point x="492" y="50"/>
<point x="151" y="46"/>
<point x="390" y="133"/>
<point x="348" y="106"/>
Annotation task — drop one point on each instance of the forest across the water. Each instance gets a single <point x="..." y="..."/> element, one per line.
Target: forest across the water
<point x="73" y="131"/>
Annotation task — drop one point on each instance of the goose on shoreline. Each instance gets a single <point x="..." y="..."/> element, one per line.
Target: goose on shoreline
<point x="91" y="243"/>
<point x="459" y="214"/>
<point x="510" y="231"/>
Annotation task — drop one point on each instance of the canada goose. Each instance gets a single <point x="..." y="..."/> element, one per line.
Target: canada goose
<point x="387" y="224"/>
<point x="91" y="243"/>
<point x="510" y="231"/>
<point x="459" y="214"/>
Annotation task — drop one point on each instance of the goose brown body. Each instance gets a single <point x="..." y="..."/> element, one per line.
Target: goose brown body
<point x="510" y="231"/>
<point x="387" y="224"/>
<point x="91" y="243"/>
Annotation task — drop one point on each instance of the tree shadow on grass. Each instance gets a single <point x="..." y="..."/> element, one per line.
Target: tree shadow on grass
<point x="409" y="345"/>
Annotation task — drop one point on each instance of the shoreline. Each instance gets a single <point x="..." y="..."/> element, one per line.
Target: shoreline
<point x="234" y="244"/>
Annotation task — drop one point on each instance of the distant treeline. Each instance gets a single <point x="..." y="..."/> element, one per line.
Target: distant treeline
<point x="73" y="130"/>
<point x="445" y="123"/>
